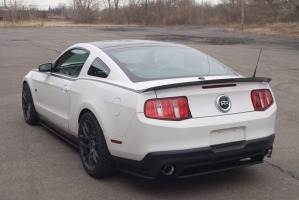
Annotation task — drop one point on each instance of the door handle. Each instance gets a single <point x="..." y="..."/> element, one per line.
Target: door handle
<point x="65" y="89"/>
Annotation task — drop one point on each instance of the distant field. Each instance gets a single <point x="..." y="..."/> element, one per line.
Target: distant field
<point x="283" y="29"/>
<point x="36" y="23"/>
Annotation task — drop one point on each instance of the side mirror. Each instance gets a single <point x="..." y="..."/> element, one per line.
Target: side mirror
<point x="46" y="67"/>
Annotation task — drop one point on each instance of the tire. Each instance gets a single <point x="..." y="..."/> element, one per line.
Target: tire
<point x="94" y="152"/>
<point x="28" y="108"/>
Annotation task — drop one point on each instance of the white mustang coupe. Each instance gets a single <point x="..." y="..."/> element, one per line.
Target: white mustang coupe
<point x="148" y="108"/>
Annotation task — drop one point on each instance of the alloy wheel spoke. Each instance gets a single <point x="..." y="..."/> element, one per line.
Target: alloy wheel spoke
<point x="85" y="131"/>
<point x="83" y="137"/>
<point x="95" y="156"/>
<point x="25" y="109"/>
<point x="85" y="158"/>
<point x="85" y="152"/>
<point x="83" y="144"/>
<point x="25" y="96"/>
<point x="27" y="113"/>
<point x="25" y="106"/>
<point x="88" y="142"/>
<point x="90" y="159"/>
<point x="94" y="135"/>
<point x="85" y="155"/>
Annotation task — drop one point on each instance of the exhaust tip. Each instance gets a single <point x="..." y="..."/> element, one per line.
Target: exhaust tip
<point x="268" y="152"/>
<point x="167" y="170"/>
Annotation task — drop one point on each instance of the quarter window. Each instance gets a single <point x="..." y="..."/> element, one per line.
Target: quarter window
<point x="99" y="69"/>
<point x="71" y="62"/>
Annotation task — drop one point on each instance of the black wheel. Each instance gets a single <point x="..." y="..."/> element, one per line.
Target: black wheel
<point x="94" y="152"/>
<point x="28" y="108"/>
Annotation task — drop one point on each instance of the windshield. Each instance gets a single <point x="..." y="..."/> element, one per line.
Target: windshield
<point x="156" y="62"/>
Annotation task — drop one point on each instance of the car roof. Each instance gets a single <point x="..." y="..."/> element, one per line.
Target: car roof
<point x="115" y="44"/>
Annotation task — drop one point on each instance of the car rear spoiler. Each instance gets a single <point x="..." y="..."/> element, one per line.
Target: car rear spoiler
<point x="207" y="82"/>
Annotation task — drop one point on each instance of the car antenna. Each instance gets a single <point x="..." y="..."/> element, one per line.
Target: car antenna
<point x="253" y="76"/>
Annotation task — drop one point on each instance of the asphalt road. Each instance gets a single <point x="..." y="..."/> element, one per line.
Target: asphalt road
<point x="35" y="164"/>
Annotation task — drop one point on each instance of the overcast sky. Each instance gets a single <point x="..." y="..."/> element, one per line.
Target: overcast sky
<point x="44" y="4"/>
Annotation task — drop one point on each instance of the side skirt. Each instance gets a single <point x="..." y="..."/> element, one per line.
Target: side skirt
<point x="72" y="140"/>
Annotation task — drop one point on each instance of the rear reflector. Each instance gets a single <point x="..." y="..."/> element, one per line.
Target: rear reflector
<point x="116" y="141"/>
<point x="261" y="99"/>
<point x="168" y="109"/>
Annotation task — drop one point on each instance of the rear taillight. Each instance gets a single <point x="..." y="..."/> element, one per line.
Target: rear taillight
<point x="261" y="99"/>
<point x="168" y="109"/>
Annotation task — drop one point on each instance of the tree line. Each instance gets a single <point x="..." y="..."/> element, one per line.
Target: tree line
<point x="159" y="12"/>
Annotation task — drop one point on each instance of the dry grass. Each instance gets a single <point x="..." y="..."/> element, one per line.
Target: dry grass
<point x="285" y="29"/>
<point x="48" y="23"/>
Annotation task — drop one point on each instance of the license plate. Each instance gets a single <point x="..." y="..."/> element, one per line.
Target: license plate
<point x="227" y="135"/>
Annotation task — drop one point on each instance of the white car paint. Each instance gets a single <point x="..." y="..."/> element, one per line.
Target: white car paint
<point x="119" y="109"/>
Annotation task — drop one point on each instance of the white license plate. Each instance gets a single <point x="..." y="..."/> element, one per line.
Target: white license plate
<point x="227" y="135"/>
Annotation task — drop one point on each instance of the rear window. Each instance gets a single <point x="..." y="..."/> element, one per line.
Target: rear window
<point x="156" y="62"/>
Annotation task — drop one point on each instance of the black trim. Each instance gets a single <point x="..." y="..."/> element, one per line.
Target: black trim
<point x="62" y="134"/>
<point x="188" y="163"/>
<point x="218" y="86"/>
<point x="207" y="82"/>
<point x="228" y="146"/>
<point x="195" y="162"/>
<point x="108" y="83"/>
<point x="70" y="78"/>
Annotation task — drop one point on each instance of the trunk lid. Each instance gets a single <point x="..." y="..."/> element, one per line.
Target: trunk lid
<point x="203" y="99"/>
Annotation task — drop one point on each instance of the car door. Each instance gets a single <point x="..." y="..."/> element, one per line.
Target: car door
<point x="52" y="89"/>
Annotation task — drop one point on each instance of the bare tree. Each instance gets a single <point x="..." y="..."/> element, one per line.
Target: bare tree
<point x="107" y="4"/>
<point x="85" y="11"/>
<point x="116" y="2"/>
<point x="161" y="12"/>
<point x="15" y="13"/>
<point x="242" y="14"/>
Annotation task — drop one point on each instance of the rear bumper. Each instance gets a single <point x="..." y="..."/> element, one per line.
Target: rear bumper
<point x="198" y="161"/>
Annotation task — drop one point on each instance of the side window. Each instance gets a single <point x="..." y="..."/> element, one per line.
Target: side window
<point x="71" y="62"/>
<point x="99" y="69"/>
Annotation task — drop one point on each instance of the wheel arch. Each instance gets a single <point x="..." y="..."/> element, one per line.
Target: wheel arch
<point x="83" y="111"/>
<point x="106" y="166"/>
<point x="88" y="108"/>
<point x="94" y="113"/>
<point x="28" y="82"/>
<point x="31" y="117"/>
